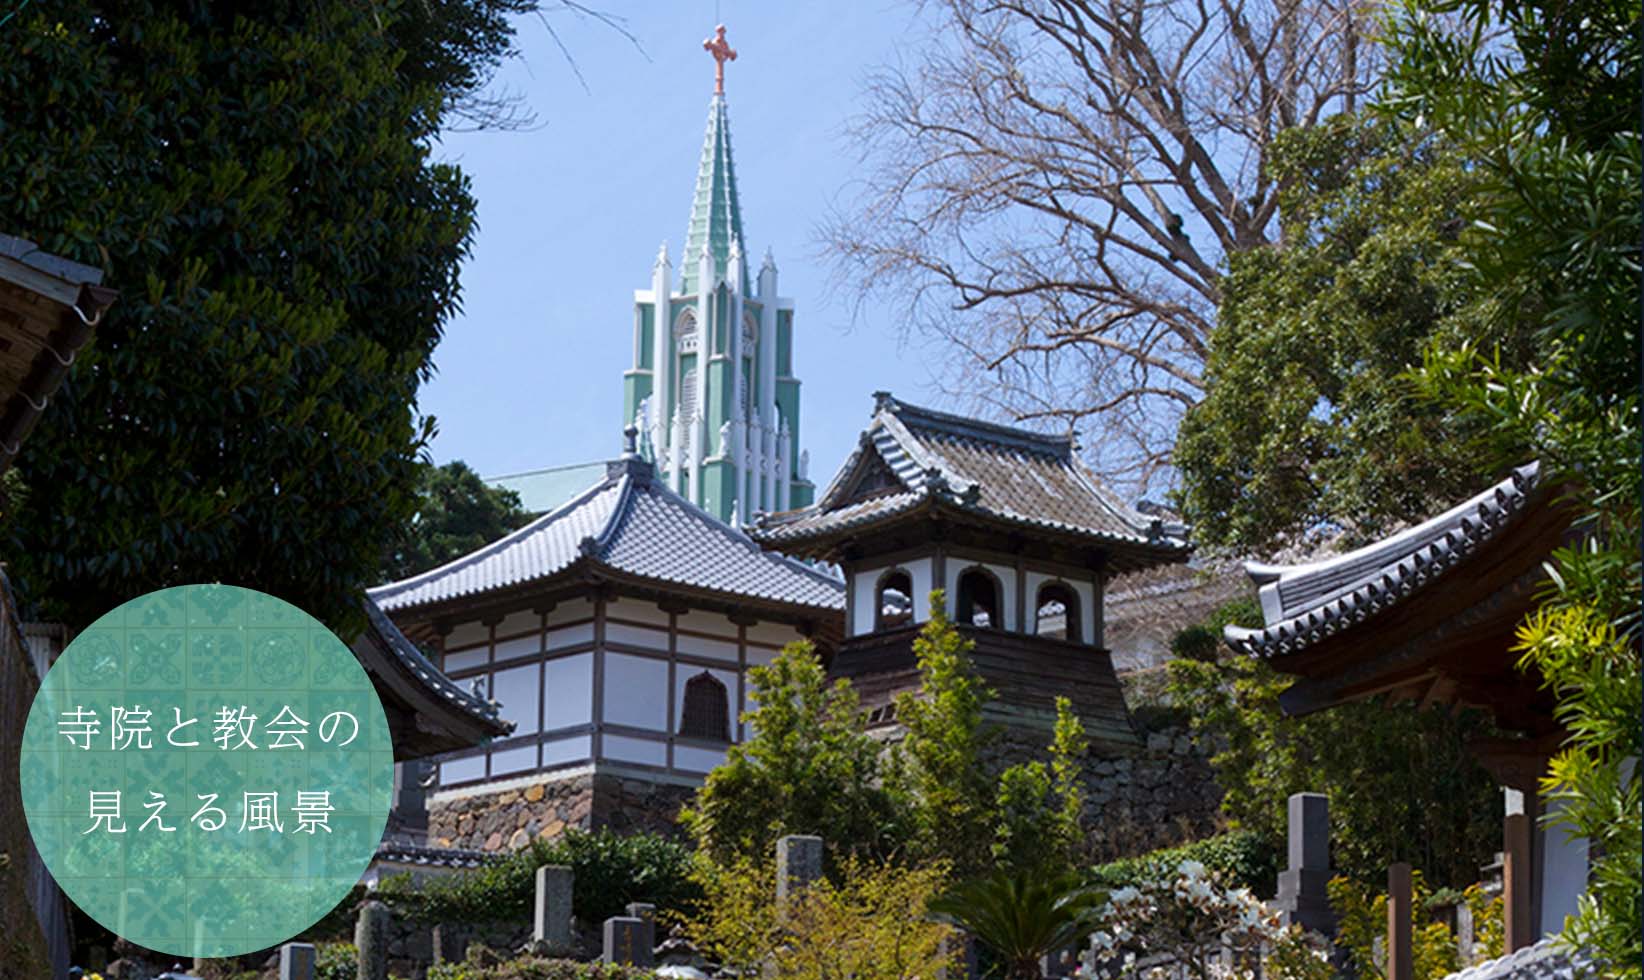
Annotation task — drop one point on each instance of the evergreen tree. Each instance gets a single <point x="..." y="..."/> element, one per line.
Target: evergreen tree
<point x="259" y="184"/>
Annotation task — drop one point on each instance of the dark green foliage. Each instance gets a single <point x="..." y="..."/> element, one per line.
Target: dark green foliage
<point x="1307" y="418"/>
<point x="1038" y="808"/>
<point x="1237" y="859"/>
<point x="257" y="182"/>
<point x="456" y="513"/>
<point x="1196" y="642"/>
<point x="1021" y="916"/>
<point x="611" y="870"/>
<point x="1551" y="109"/>
<point x="1401" y="782"/>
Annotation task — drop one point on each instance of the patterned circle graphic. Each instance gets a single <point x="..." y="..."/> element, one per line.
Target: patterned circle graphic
<point x="207" y="770"/>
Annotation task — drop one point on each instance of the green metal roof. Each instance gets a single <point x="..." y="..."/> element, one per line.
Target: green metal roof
<point x="716" y="213"/>
<point x="541" y="491"/>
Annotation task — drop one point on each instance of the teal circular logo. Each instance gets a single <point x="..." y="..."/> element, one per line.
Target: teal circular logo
<point x="206" y="770"/>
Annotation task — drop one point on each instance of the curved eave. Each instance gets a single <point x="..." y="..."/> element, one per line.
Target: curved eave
<point x="1416" y="559"/>
<point x="1126" y="552"/>
<point x="428" y="712"/>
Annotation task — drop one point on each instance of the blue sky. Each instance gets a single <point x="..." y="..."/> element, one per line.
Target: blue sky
<point x="571" y="214"/>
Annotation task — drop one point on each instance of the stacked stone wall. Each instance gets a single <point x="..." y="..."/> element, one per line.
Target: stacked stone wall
<point x="509" y="820"/>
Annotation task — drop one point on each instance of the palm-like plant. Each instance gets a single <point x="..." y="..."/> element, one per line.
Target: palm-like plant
<point x="1022" y="915"/>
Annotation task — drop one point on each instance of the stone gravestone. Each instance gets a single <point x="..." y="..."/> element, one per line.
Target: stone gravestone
<point x="1303" y="898"/>
<point x="371" y="939"/>
<point x="447" y="944"/>
<point x="627" y="940"/>
<point x="297" y="961"/>
<point x="551" y="918"/>
<point x="798" y="863"/>
<point x="646" y="913"/>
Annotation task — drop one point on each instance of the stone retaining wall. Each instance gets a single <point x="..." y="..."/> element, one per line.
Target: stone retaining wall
<point x="509" y="820"/>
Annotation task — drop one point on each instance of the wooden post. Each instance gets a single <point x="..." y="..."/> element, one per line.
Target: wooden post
<point x="1516" y="881"/>
<point x="1400" y="965"/>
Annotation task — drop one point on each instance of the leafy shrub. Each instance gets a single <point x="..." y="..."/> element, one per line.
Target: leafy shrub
<point x="536" y="968"/>
<point x="1237" y="859"/>
<point x="1184" y="913"/>
<point x="1399" y="777"/>
<point x="336" y="961"/>
<point x="1361" y="916"/>
<point x="611" y="870"/>
<point x="868" y="923"/>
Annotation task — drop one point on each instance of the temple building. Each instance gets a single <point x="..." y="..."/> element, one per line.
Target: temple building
<point x="712" y="388"/>
<point x="1430" y="614"/>
<point x="1020" y="537"/>
<point x="615" y="632"/>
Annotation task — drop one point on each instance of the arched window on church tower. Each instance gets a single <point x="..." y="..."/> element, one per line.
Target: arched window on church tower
<point x="707" y="712"/>
<point x="979" y="599"/>
<point x="893" y="600"/>
<point x="685" y="332"/>
<point x="1058" y="612"/>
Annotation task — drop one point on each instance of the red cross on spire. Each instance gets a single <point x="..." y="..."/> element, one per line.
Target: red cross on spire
<point x="722" y="53"/>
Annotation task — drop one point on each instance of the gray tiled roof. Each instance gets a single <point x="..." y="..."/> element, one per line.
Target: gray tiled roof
<point x="1548" y="959"/>
<point x="405" y="852"/>
<point x="1302" y="604"/>
<point x="413" y="660"/>
<point x="1003" y="473"/>
<point x="630" y="523"/>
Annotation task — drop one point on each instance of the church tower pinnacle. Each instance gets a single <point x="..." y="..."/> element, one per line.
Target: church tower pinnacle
<point x="712" y="389"/>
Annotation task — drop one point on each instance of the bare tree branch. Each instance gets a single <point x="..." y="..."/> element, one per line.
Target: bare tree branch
<point x="1055" y="186"/>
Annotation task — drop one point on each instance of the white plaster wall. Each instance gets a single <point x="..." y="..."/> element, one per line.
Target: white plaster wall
<point x="467" y="634"/>
<point x="773" y="634"/>
<point x="567" y="612"/>
<point x="862" y="582"/>
<point x="862" y="592"/>
<point x="707" y="622"/>
<point x="466" y="659"/>
<point x="1564" y="871"/>
<point x="622" y="749"/>
<point x="693" y="759"/>
<point x="636" y="691"/>
<point x="513" y="760"/>
<point x="1007" y="585"/>
<point x="515" y="689"/>
<point x="462" y="770"/>
<point x="638" y="611"/>
<point x="725" y="650"/>
<point x="1087" y="604"/>
<point x="565" y="750"/>
<point x="519" y="622"/>
<point x="522" y="646"/>
<point x="570" y="636"/>
<point x="568" y="690"/>
<point x="637" y="636"/>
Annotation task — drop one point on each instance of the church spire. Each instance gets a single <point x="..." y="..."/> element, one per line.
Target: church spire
<point x="716" y="213"/>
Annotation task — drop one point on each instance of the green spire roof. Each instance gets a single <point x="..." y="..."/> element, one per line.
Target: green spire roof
<point x="716" y="214"/>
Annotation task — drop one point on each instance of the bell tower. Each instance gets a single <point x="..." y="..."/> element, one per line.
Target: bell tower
<point x="712" y="390"/>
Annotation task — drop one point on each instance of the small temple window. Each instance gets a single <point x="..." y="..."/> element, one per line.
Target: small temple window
<point x="979" y="599"/>
<point x="707" y="711"/>
<point x="1058" y="607"/>
<point x="893" y="600"/>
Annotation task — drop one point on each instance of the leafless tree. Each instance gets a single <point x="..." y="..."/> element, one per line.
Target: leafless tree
<point x="1054" y="187"/>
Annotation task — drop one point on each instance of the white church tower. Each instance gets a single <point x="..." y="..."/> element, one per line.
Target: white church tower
<point x="712" y="389"/>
